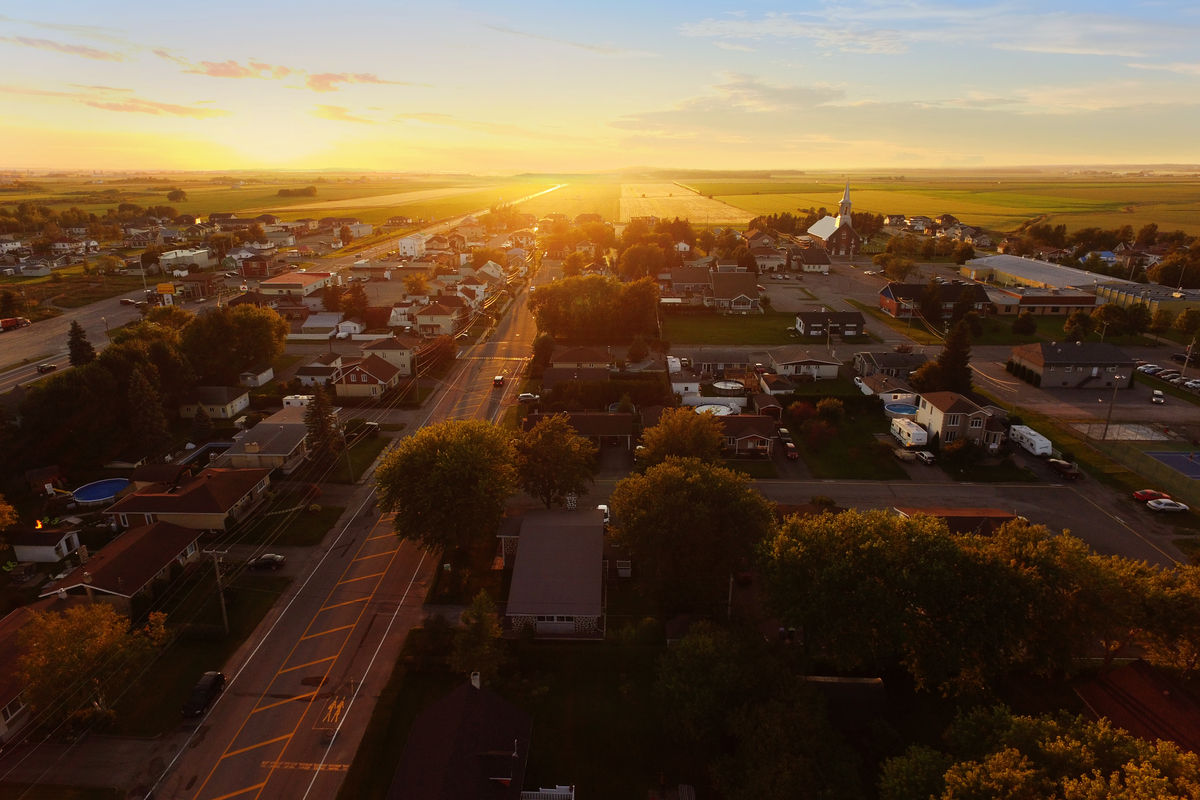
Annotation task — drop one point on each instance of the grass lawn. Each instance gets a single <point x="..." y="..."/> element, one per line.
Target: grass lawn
<point x="1190" y="547"/>
<point x="759" y="329"/>
<point x="1004" y="472"/>
<point x="44" y="791"/>
<point x="152" y="708"/>
<point x="913" y="330"/>
<point x="360" y="456"/>
<point x="854" y="454"/>
<point x="470" y="573"/>
<point x="302" y="529"/>
<point x="760" y="468"/>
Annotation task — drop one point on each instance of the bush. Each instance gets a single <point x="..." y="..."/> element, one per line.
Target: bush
<point x="818" y="434"/>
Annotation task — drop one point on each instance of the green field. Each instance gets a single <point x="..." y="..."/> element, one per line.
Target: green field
<point x="760" y="329"/>
<point x="579" y="197"/>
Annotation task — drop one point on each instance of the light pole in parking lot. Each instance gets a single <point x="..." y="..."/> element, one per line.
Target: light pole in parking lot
<point x="1116" y="385"/>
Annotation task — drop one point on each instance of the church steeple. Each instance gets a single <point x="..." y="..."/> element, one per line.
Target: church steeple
<point x="844" y="206"/>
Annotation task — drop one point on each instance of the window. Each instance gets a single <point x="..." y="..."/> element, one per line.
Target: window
<point x="953" y="420"/>
<point x="12" y="709"/>
<point x="1110" y="369"/>
<point x="1068" y="368"/>
<point x="949" y="436"/>
<point x="977" y="423"/>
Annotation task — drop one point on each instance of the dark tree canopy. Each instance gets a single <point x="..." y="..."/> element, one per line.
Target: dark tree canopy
<point x="554" y="461"/>
<point x="683" y="433"/>
<point x="79" y="349"/>
<point x="596" y="309"/>
<point x="951" y="371"/>
<point x="222" y="342"/>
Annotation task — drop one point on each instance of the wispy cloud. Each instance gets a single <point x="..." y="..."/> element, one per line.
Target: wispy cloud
<point x="96" y="97"/>
<point x="95" y="88"/>
<point x="61" y="47"/>
<point x="328" y="81"/>
<point x="340" y="114"/>
<point x="261" y="70"/>
<point x="1182" y="67"/>
<point x="598" y="49"/>
<point x="87" y="31"/>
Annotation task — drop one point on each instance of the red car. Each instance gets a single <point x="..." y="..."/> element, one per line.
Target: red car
<point x="1143" y="495"/>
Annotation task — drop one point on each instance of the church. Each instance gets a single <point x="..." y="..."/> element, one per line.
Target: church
<point x="836" y="233"/>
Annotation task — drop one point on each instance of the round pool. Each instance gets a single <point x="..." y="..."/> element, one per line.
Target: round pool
<point x="894" y="410"/>
<point x="97" y="492"/>
<point x="716" y="409"/>
<point x="729" y="387"/>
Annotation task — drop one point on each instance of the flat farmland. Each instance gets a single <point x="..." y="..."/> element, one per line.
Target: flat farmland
<point x="670" y="200"/>
<point x="998" y="204"/>
<point x="577" y="198"/>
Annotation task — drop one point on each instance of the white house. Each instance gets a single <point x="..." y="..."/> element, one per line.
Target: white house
<point x="411" y="246"/>
<point x="180" y="259"/>
<point x="793" y="360"/>
<point x="44" y="545"/>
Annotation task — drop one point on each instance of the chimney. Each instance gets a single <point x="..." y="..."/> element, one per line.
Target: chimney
<point x="475" y="679"/>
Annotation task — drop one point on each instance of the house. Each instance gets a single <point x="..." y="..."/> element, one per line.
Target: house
<point x="1076" y="365"/>
<point x="812" y="257"/>
<point x="325" y="323"/>
<point x="602" y="427"/>
<point x="765" y="403"/>
<point x="903" y="300"/>
<point x="893" y="220"/>
<point x="267" y="446"/>
<point x="577" y="357"/>
<point x="200" y="258"/>
<point x="888" y="388"/>
<point x="888" y="362"/>
<point x="43" y="545"/>
<point x="794" y="360"/>
<point x="1145" y="701"/>
<point x="690" y="281"/>
<point x="470" y="744"/>
<point x="748" y="434"/>
<point x="201" y="284"/>
<point x="257" y="376"/>
<point x="411" y="246"/>
<point x="950" y="416"/>
<point x="302" y="287"/>
<point x="128" y="565"/>
<point x="774" y="385"/>
<point x="366" y="377"/>
<point x="219" y="402"/>
<point x="716" y="362"/>
<point x="321" y="371"/>
<point x="396" y="350"/>
<point x="557" y="583"/>
<point x="826" y="323"/>
<point x="437" y="319"/>
<point x="734" y="292"/>
<point x="1014" y="300"/>
<point x="215" y="499"/>
<point x="837" y="234"/>
<point x="1010" y="270"/>
<point x="757" y="238"/>
<point x="1152" y="295"/>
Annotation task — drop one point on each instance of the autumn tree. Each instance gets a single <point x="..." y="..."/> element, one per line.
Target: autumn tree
<point x="79" y="349"/>
<point x="74" y="664"/>
<point x="689" y="524"/>
<point x="640" y="261"/>
<point x="177" y="196"/>
<point x="222" y="342"/>
<point x="554" y="461"/>
<point x="683" y="433"/>
<point x="202" y="426"/>
<point x="345" y="236"/>
<point x="1111" y="319"/>
<point x="543" y="349"/>
<point x="477" y="644"/>
<point x="1078" y="326"/>
<point x="416" y="283"/>
<point x="448" y="483"/>
<point x="896" y="268"/>
<point x="1025" y="324"/>
<point x="573" y="264"/>
<point x="8" y="514"/>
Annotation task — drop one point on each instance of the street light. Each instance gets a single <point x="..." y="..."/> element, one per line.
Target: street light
<point x="1116" y="385"/>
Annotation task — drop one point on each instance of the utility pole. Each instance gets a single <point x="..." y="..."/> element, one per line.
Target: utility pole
<point x="216" y="557"/>
<point x="1187" y="359"/>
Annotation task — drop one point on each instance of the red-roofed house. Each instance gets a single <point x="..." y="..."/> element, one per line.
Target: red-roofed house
<point x="396" y="350"/>
<point x="748" y="434"/>
<point x="215" y="499"/>
<point x="951" y="416"/>
<point x="129" y="564"/>
<point x="368" y="377"/>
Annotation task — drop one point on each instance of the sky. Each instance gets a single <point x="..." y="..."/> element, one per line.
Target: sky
<point x="498" y="87"/>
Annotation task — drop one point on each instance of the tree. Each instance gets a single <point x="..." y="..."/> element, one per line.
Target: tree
<point x="74" y="663"/>
<point x="331" y="298"/>
<point x="1025" y="324"/>
<point x="683" y="433"/>
<point x="1188" y="322"/>
<point x="543" y="349"/>
<point x="963" y="252"/>
<point x="477" y="645"/>
<point x="8" y="514"/>
<point x="689" y="524"/>
<point x="80" y="350"/>
<point x="355" y="302"/>
<point x="482" y="255"/>
<point x="8" y="303"/>
<point x="1162" y="321"/>
<point x="638" y="350"/>
<point x="416" y="283"/>
<point x="176" y="196"/>
<point x="1111" y="319"/>
<point x="345" y="236"/>
<point x="554" y="461"/>
<point x="1137" y="318"/>
<point x="895" y="267"/>
<point x="324" y="433"/>
<point x="1078" y="326"/>
<point x="222" y="342"/>
<point x="202" y="426"/>
<point x="574" y="263"/>
<point x="930" y="303"/>
<point x="146" y="420"/>
<point x="108" y="263"/>
<point x="951" y="371"/>
<point x="640" y="261"/>
<point x="448" y="483"/>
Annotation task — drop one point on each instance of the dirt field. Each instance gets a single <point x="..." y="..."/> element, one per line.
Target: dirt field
<point x="669" y="200"/>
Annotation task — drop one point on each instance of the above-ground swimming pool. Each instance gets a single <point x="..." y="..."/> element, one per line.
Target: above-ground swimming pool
<point x="894" y="410"/>
<point x="98" y="492"/>
<point x="716" y="409"/>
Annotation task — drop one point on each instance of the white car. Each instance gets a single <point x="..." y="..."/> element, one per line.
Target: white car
<point x="603" y="509"/>
<point x="1164" y="504"/>
<point x="1158" y="397"/>
<point x="1149" y="368"/>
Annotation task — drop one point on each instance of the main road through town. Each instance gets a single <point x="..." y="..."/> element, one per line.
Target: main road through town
<point x="297" y="703"/>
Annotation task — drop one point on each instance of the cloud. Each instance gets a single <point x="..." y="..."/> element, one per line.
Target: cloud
<point x="328" y="81"/>
<point x="100" y="88"/>
<point x="168" y="56"/>
<point x="339" y="114"/>
<point x="89" y="31"/>
<point x="122" y="103"/>
<point x="740" y="48"/>
<point x="261" y="70"/>
<point x="891" y="28"/>
<point x="59" y="47"/>
<point x="1182" y="67"/>
<point x="598" y="49"/>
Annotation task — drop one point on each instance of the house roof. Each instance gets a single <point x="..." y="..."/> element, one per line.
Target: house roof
<point x="951" y="403"/>
<point x="214" y="395"/>
<point x="553" y="376"/>
<point x="1034" y="271"/>
<point x="833" y="317"/>
<point x="824" y="227"/>
<point x="763" y="400"/>
<point x="592" y="423"/>
<point x="393" y="343"/>
<point x="38" y="537"/>
<point x="471" y="744"/>
<point x="434" y="310"/>
<point x="962" y="520"/>
<point x="730" y="285"/>
<point x="269" y="439"/>
<point x="742" y="426"/>
<point x="215" y="490"/>
<point x="1147" y="702"/>
<point x="126" y="564"/>
<point x="689" y="274"/>
<point x="951" y="292"/>
<point x="797" y="354"/>
<point x="813" y="254"/>
<point x="880" y="383"/>
<point x="377" y="367"/>
<point x="294" y="278"/>
<point x="578" y="355"/>
<point x="558" y="572"/>
<point x="1073" y="353"/>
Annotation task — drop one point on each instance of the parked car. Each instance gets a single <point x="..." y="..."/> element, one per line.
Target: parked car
<point x="267" y="561"/>
<point x="127" y="301"/>
<point x="1146" y="495"/>
<point x="1166" y="504"/>
<point x="1158" y="397"/>
<point x="528" y="397"/>
<point x="925" y="457"/>
<point x="203" y="694"/>
<point x="1178" y="380"/>
<point x="1167" y="374"/>
<point x="1150" y="369"/>
<point x="789" y="450"/>
<point x="604" y="512"/>
<point x="1184" y="358"/>
<point x="908" y="456"/>
<point x="498" y="380"/>
<point x="1192" y="384"/>
<point x="1064" y="468"/>
<point x="47" y="367"/>
<point x="785" y="435"/>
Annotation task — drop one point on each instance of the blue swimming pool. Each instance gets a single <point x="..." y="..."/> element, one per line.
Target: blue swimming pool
<point x="99" y="491"/>
<point x="900" y="410"/>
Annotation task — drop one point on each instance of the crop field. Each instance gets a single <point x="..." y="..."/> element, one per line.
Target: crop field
<point x="1000" y="204"/>
<point x="669" y="200"/>
<point x="390" y="200"/>
<point x="577" y="198"/>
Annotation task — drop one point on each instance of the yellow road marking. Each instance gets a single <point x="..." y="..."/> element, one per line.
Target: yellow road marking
<point x="241" y="791"/>
<point x="308" y="664"/>
<point x="360" y="578"/>
<point x="308" y="766"/>
<point x="297" y="698"/>
<point x="375" y="555"/>
<point x="254" y="746"/>
<point x="345" y="603"/>
<point x="325" y="633"/>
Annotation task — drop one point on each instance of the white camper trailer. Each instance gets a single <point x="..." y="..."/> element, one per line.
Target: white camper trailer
<point x="909" y="433"/>
<point x="1030" y="439"/>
